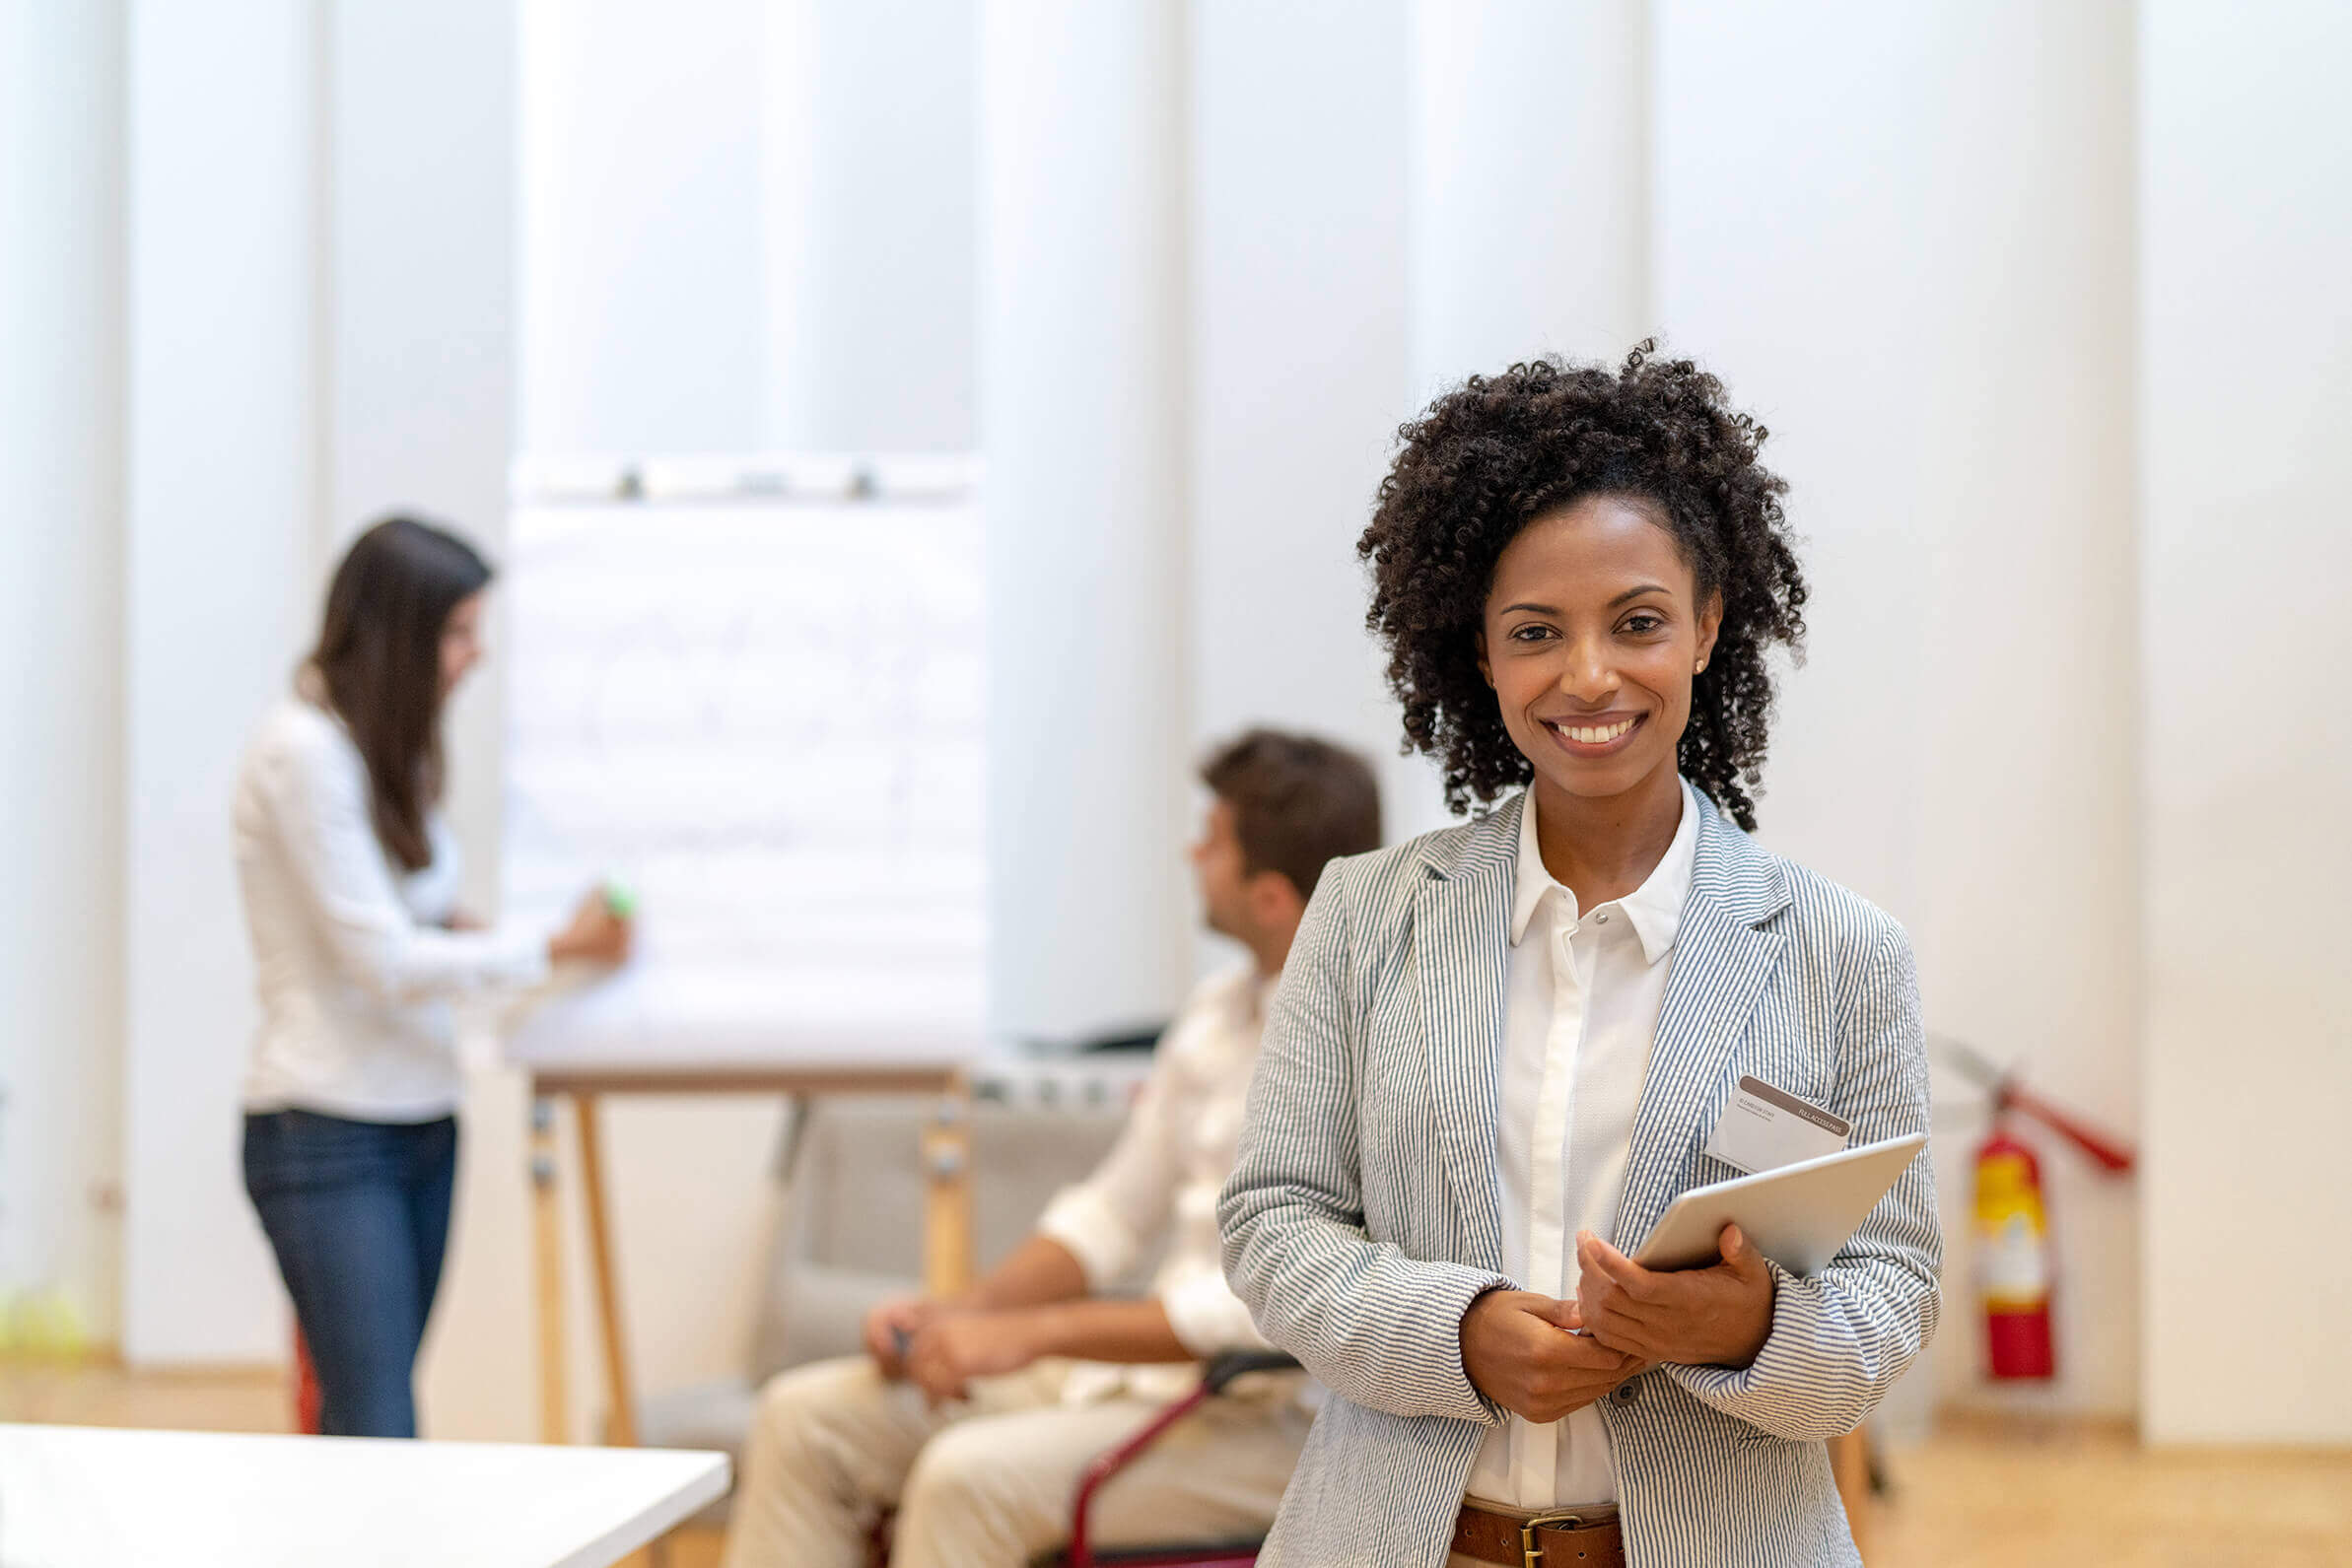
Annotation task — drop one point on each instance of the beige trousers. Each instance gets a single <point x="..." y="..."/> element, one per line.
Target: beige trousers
<point x="988" y="1483"/>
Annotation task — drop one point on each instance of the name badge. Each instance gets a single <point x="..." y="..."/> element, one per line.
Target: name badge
<point x="1763" y="1128"/>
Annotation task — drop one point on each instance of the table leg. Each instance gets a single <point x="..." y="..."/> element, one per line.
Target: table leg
<point x="947" y="1263"/>
<point x="547" y="1217"/>
<point x="620" y="1426"/>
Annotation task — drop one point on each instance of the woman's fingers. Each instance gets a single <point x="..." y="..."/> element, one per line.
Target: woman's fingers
<point x="1562" y="1315"/>
<point x="1627" y="1340"/>
<point x="1570" y="1361"/>
<point x="1616" y="1318"/>
<point x="1599" y="1258"/>
<point x="1518" y="1352"/>
<point x="1713" y="1316"/>
<point x="1571" y="1383"/>
<point x="1740" y="1256"/>
<point x="1650" y="1315"/>
<point x="1585" y="1353"/>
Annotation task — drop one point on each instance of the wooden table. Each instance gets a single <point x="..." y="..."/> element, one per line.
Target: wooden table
<point x="947" y="1211"/>
<point x="83" y="1497"/>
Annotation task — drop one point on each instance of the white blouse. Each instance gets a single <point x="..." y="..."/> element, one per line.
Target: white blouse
<point x="1580" y="1012"/>
<point x="355" y="971"/>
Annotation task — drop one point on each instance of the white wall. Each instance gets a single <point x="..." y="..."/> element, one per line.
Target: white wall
<point x="869" y="216"/>
<point x="1299" y="272"/>
<point x="747" y="226"/>
<point x="1083" y="371"/>
<point x="225" y="252"/>
<point x="1793" y="234"/>
<point x="61" y="303"/>
<point x="2029" y="874"/>
<point x="642" y="295"/>
<point x="1531" y="183"/>
<point x="1903" y="235"/>
<point x="2244" y="165"/>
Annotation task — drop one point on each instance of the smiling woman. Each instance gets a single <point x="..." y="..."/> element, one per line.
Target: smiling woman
<point x="1656" y="439"/>
<point x="1498" y="1051"/>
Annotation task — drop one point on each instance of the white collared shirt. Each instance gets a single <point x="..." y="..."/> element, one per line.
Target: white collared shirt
<point x="1162" y="1176"/>
<point x="354" y="971"/>
<point x="1580" y="1012"/>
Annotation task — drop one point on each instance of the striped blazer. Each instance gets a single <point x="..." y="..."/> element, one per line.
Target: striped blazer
<point x="1360" y="1218"/>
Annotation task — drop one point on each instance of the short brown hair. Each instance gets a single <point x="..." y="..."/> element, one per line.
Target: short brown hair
<point x="1298" y="803"/>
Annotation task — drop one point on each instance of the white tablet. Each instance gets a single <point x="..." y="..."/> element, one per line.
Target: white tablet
<point x="1798" y="1215"/>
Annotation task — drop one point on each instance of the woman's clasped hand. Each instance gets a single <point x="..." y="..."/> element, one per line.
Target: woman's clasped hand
<point x="1715" y="1317"/>
<point x="1542" y="1358"/>
<point x="1520" y="1350"/>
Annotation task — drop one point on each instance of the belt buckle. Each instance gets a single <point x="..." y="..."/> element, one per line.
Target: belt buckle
<point x="1533" y="1553"/>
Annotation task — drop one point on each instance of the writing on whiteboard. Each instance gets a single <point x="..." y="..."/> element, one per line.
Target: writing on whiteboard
<point x="766" y="718"/>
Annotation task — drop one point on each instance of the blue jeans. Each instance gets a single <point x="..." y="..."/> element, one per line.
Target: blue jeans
<point x="358" y="1213"/>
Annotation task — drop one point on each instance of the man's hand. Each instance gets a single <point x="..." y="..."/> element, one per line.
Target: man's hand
<point x="953" y="1349"/>
<point x="1715" y="1316"/>
<point x="1518" y="1352"/>
<point x="891" y="1326"/>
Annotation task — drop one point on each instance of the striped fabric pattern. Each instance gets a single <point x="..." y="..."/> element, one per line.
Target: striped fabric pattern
<point x="1360" y="1220"/>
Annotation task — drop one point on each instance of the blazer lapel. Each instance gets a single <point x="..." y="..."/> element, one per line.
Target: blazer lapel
<point x="1721" y="962"/>
<point x="1461" y="941"/>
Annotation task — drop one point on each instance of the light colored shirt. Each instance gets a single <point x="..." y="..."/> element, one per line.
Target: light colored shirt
<point x="1580" y="1011"/>
<point x="354" y="971"/>
<point x="1162" y="1176"/>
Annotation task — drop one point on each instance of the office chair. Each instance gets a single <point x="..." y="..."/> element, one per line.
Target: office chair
<point x="1217" y="1376"/>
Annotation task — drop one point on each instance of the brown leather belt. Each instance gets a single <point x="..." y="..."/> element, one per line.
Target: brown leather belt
<point x="1554" y="1538"/>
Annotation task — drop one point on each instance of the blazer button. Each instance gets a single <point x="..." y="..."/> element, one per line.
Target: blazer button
<point x="1623" y="1394"/>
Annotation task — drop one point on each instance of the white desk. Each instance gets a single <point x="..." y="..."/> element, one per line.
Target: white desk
<point x="79" y="1497"/>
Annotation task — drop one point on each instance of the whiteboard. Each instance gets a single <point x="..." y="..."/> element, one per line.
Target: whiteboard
<point x="764" y="715"/>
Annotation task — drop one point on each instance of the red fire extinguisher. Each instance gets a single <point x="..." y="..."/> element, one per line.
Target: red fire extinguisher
<point x="2013" y="1240"/>
<point x="2012" y="1255"/>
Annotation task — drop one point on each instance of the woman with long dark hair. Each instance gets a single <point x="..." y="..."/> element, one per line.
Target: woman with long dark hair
<point x="350" y="879"/>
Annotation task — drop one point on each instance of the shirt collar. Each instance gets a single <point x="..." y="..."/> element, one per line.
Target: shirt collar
<point x="1241" y="992"/>
<point x="1655" y="908"/>
<point x="1256" y="995"/>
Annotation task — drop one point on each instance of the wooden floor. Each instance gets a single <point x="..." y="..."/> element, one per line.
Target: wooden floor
<point x="1981" y="1495"/>
<point x="1976" y="1495"/>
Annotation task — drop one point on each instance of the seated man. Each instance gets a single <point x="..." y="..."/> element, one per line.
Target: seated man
<point x="976" y="1417"/>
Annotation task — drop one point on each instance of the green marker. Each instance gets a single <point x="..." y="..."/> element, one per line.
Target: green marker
<point x="620" y="899"/>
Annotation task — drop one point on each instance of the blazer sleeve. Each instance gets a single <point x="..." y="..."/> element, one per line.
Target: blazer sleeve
<point x="1376" y="1326"/>
<point x="1840" y="1339"/>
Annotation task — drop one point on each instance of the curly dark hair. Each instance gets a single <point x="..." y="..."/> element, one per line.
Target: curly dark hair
<point x="1498" y="451"/>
